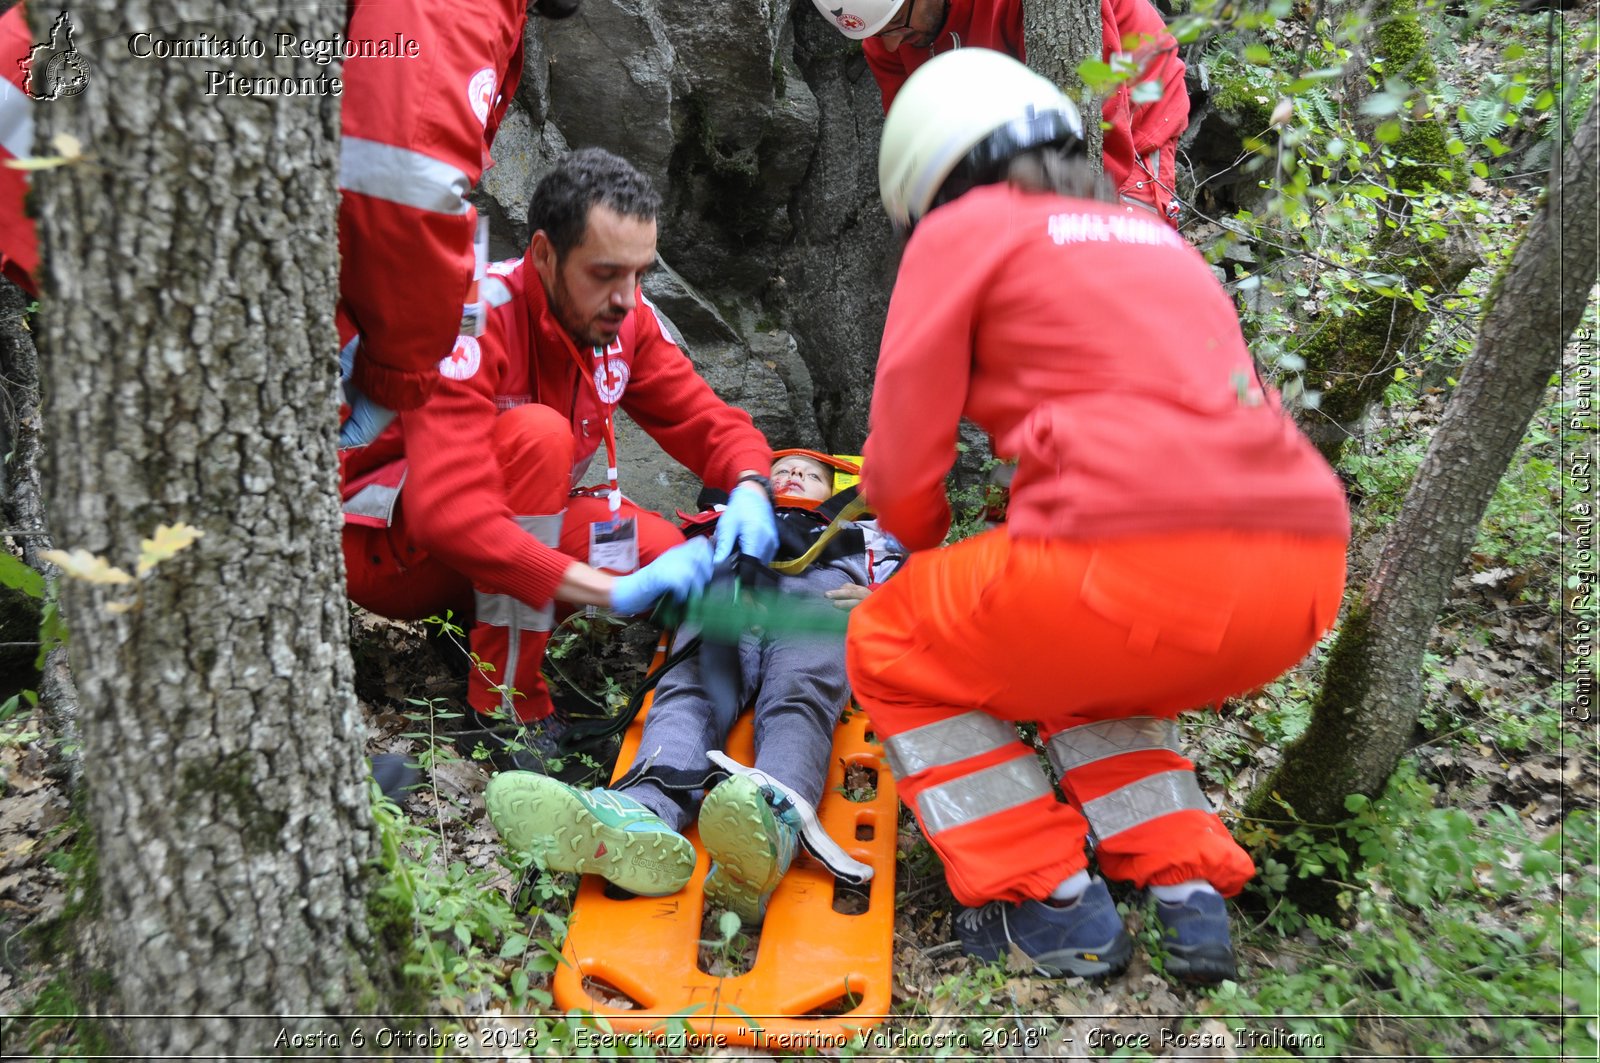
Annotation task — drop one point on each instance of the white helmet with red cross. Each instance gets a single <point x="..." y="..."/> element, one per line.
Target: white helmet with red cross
<point x="957" y="121"/>
<point x="858" y="19"/>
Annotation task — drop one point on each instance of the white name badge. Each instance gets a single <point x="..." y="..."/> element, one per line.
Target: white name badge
<point x="614" y="545"/>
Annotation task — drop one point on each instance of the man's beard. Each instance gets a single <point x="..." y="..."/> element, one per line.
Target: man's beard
<point x="585" y="332"/>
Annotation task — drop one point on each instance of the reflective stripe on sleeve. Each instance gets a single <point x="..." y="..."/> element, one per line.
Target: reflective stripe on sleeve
<point x="946" y="741"/>
<point x="16" y="120"/>
<point x="495" y="291"/>
<point x="373" y="500"/>
<point x="1140" y="802"/>
<point x="1077" y="746"/>
<point x="999" y="788"/>
<point x="400" y="175"/>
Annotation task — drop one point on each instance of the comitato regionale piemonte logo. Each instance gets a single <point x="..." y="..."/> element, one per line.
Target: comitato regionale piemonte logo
<point x="55" y="69"/>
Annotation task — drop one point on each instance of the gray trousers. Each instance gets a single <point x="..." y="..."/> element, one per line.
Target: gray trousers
<point x="796" y="687"/>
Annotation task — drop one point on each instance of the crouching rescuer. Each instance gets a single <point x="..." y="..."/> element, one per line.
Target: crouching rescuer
<point x="472" y="502"/>
<point x="1172" y="538"/>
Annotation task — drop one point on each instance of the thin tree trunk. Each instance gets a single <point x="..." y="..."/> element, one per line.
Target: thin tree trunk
<point x="1373" y="692"/>
<point x="1059" y="36"/>
<point x="189" y="275"/>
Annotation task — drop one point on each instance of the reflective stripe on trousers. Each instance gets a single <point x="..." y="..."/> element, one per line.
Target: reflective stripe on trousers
<point x="1142" y="800"/>
<point x="968" y="798"/>
<point x="945" y="742"/>
<point x="515" y="615"/>
<point x="1077" y="746"/>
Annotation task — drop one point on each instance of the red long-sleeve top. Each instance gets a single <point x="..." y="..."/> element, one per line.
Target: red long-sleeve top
<point x="1100" y="353"/>
<point x="1135" y="26"/>
<point x="442" y="452"/>
<point x="19" y="240"/>
<point x="416" y="136"/>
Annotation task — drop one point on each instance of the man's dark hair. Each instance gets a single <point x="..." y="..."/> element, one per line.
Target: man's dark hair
<point x="561" y="202"/>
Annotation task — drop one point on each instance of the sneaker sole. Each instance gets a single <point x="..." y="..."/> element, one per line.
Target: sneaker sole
<point x="537" y="814"/>
<point x="1103" y="962"/>
<point x="1088" y="963"/>
<point x="1202" y="966"/>
<point x="733" y="831"/>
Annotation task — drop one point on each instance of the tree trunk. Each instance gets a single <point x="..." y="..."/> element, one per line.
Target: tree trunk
<point x="1373" y="691"/>
<point x="22" y="509"/>
<point x="1058" y="37"/>
<point x="189" y="275"/>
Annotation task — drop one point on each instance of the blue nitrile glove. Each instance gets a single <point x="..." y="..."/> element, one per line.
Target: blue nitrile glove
<point x="679" y="572"/>
<point x="747" y="523"/>
<point x="366" y="418"/>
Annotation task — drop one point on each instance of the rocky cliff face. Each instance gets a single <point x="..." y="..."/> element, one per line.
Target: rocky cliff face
<point x="759" y="124"/>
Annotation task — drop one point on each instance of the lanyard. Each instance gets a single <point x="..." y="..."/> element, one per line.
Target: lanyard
<point x="607" y="433"/>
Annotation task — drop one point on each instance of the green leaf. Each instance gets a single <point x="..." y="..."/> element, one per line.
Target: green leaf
<point x="1098" y="76"/>
<point x="15" y="574"/>
<point x="1145" y="92"/>
<point x="1383" y="104"/>
<point x="1388" y="132"/>
<point x="516" y="945"/>
<point x="1258" y="54"/>
<point x="1314" y="78"/>
<point x="1455" y="147"/>
<point x="1481" y="169"/>
<point x="1544" y="100"/>
<point x="1495" y="146"/>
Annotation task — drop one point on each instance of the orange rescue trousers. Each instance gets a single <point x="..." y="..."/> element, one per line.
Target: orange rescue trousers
<point x="393" y="576"/>
<point x="1102" y="644"/>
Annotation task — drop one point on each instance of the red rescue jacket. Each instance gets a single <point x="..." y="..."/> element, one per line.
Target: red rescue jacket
<point x="19" y="241"/>
<point x="442" y="453"/>
<point x="1100" y="353"/>
<point x="1136" y="130"/>
<point x="416" y="140"/>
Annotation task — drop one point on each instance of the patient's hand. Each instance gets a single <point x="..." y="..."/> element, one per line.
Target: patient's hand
<point x="848" y="596"/>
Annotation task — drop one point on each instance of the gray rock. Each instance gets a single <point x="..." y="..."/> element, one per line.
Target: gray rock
<point x="759" y="123"/>
<point x="611" y="70"/>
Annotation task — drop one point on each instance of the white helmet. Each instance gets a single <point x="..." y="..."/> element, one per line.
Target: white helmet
<point x="858" y="19"/>
<point x="956" y="122"/>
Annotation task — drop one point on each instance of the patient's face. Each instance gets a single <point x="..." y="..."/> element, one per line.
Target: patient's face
<point x="802" y="477"/>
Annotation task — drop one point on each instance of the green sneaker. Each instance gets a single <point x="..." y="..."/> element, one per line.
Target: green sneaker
<point x="751" y="845"/>
<point x="593" y="832"/>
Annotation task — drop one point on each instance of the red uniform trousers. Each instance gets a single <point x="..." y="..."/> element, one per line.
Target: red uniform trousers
<point x="1102" y="644"/>
<point x="394" y="576"/>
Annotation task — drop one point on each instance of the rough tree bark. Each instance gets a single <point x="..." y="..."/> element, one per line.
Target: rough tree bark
<point x="1373" y="690"/>
<point x="189" y="274"/>
<point x="1058" y="37"/>
<point x="22" y="508"/>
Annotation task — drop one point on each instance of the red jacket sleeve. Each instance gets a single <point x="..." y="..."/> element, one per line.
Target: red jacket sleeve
<point x="924" y="369"/>
<point x="1138" y="129"/>
<point x="671" y="401"/>
<point x="19" y="240"/>
<point x="454" y="494"/>
<point x="413" y="147"/>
